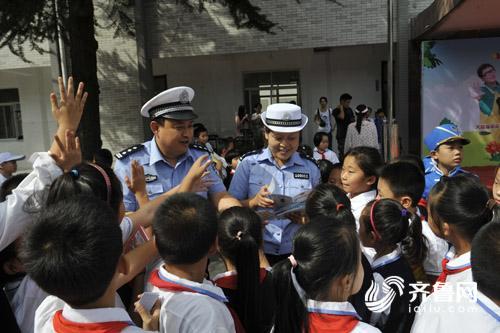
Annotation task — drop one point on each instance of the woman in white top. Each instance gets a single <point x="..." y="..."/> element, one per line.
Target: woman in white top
<point x="363" y="132"/>
<point x="325" y="120"/>
<point x="241" y="120"/>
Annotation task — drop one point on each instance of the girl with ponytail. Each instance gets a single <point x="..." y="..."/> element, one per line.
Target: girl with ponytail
<point x="247" y="283"/>
<point x="313" y="286"/>
<point x="384" y="224"/>
<point x="363" y="132"/>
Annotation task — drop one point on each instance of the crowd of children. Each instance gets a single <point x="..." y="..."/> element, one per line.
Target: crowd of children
<point x="366" y="254"/>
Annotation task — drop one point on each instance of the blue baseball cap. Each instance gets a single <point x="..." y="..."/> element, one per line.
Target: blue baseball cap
<point x="444" y="134"/>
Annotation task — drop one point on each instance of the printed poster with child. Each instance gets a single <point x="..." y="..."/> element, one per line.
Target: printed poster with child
<point x="460" y="86"/>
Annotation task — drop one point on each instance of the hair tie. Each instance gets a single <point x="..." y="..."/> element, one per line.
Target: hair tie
<point x="404" y="212"/>
<point x="372" y="221"/>
<point x="74" y="173"/>
<point x="339" y="205"/>
<point x="106" y="180"/>
<point x="238" y="235"/>
<point x="292" y="261"/>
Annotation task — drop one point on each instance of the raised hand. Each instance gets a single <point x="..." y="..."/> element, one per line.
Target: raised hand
<point x="197" y="177"/>
<point x="68" y="111"/>
<point x="68" y="153"/>
<point x="137" y="181"/>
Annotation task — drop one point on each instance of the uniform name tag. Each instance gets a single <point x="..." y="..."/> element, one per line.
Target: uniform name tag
<point x="150" y="178"/>
<point x="300" y="175"/>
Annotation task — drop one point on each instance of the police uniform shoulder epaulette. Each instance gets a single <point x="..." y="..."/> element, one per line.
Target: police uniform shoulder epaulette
<point x="199" y="147"/>
<point x="310" y="158"/>
<point x="125" y="152"/>
<point x="250" y="153"/>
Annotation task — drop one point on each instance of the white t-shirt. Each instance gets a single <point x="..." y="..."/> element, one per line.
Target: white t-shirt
<point x="46" y="311"/>
<point x="188" y="312"/>
<point x="327" y="117"/>
<point x="440" y="313"/>
<point x="368" y="136"/>
<point x="327" y="155"/>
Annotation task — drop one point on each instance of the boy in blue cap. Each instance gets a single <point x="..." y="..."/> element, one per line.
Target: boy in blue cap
<point x="445" y="143"/>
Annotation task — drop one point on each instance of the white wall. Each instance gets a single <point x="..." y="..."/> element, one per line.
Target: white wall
<point x="38" y="126"/>
<point x="218" y="80"/>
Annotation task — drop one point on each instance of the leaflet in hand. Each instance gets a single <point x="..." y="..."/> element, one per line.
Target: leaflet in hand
<point x="284" y="204"/>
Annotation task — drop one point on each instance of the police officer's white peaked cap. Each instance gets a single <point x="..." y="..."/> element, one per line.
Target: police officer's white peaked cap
<point x="284" y="118"/>
<point x="174" y="103"/>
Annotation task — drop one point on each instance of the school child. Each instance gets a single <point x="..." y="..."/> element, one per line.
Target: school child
<point x="329" y="201"/>
<point x="74" y="252"/>
<point x="359" y="177"/>
<point x="321" y="150"/>
<point x="383" y="226"/>
<point x="330" y="173"/>
<point x="445" y="143"/>
<point x="232" y="158"/>
<point x="201" y="138"/>
<point x="475" y="312"/>
<point x="457" y="210"/>
<point x="405" y="183"/>
<point x="313" y="286"/>
<point x="247" y="283"/>
<point x="185" y="229"/>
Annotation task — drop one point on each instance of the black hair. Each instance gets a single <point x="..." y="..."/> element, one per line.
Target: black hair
<point x="73" y="249"/>
<point x="323" y="97"/>
<point x="306" y="149"/>
<point x="325" y="168"/>
<point x="482" y="67"/>
<point x="241" y="111"/>
<point x="103" y="157"/>
<point x="390" y="220"/>
<point x="412" y="159"/>
<point x="406" y="179"/>
<point x="360" y="116"/>
<point x="83" y="179"/>
<point x="327" y="200"/>
<point x="318" y="137"/>
<point x="461" y="201"/>
<point x="185" y="227"/>
<point x="345" y="97"/>
<point x="233" y="153"/>
<point x="484" y="260"/>
<point x="324" y="252"/>
<point x="198" y="129"/>
<point x="368" y="160"/>
<point x="7" y="254"/>
<point x="10" y="184"/>
<point x="239" y="238"/>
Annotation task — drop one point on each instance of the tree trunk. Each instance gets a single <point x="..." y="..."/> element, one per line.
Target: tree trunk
<point x="83" y="54"/>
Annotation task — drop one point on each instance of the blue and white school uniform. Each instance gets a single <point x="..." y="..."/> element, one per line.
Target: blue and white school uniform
<point x="337" y="317"/>
<point x="460" y="315"/>
<point x="201" y="310"/>
<point x="358" y="203"/>
<point x="397" y="318"/>
<point x="456" y="268"/>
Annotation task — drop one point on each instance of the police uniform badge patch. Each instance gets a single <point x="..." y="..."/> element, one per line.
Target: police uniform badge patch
<point x="184" y="97"/>
<point x="150" y="178"/>
<point x="300" y="175"/>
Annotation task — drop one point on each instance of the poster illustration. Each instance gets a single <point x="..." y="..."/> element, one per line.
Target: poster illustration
<point x="460" y="86"/>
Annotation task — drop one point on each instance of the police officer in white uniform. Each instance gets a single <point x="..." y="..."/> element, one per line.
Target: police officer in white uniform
<point x="280" y="164"/>
<point x="167" y="158"/>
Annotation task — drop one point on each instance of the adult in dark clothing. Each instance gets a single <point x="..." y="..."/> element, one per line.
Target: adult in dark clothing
<point x="343" y="116"/>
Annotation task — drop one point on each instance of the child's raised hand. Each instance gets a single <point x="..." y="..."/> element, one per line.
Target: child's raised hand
<point x="196" y="179"/>
<point x="68" y="111"/>
<point x="261" y="199"/>
<point x="151" y="319"/>
<point x="68" y="154"/>
<point x="137" y="181"/>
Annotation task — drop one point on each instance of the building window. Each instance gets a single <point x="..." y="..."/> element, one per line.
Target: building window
<point x="271" y="87"/>
<point x="10" y="115"/>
